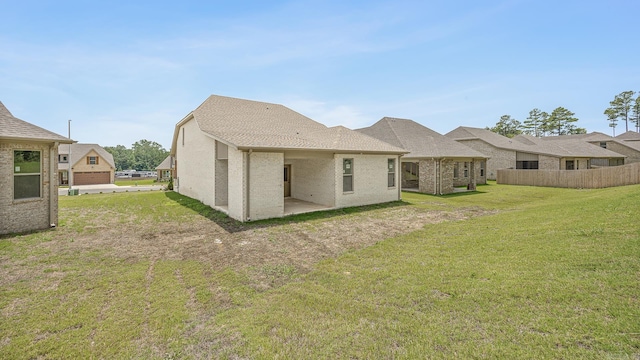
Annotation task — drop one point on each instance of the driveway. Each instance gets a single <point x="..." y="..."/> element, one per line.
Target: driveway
<point x="108" y="188"/>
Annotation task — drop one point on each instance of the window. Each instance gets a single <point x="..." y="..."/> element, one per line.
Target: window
<point x="391" y="176"/>
<point x="92" y="160"/>
<point x="347" y="175"/>
<point x="481" y="168"/>
<point x="63" y="158"/>
<point x="527" y="165"/>
<point x="26" y="174"/>
<point x="466" y="169"/>
<point x="603" y="144"/>
<point x="570" y="165"/>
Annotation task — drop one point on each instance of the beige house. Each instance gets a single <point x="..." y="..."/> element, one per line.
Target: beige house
<point x="164" y="171"/>
<point x="256" y="160"/>
<point x="630" y="149"/>
<point x="629" y="136"/>
<point x="435" y="164"/>
<point x="28" y="169"/>
<point x="90" y="164"/>
<point x="528" y="152"/>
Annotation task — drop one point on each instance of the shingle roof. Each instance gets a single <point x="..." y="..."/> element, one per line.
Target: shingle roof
<point x="79" y="151"/>
<point x="166" y="163"/>
<point x="15" y="129"/>
<point x="421" y="141"/>
<point x="247" y="124"/>
<point x="593" y="136"/>
<point x="629" y="135"/>
<point x="533" y="145"/>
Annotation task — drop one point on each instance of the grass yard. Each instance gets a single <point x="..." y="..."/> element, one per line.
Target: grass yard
<point x="136" y="182"/>
<point x="505" y="272"/>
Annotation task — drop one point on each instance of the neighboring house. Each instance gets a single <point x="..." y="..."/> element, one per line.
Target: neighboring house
<point x="256" y="160"/>
<point x="28" y="169"/>
<point x="629" y="148"/>
<point x="164" y="170"/>
<point x="90" y="164"/>
<point x="435" y="164"/>
<point x="528" y="152"/>
<point x="629" y="136"/>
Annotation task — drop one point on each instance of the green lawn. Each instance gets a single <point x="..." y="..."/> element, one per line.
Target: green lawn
<point x="547" y="273"/>
<point x="135" y="182"/>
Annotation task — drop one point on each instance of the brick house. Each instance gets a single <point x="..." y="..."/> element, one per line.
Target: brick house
<point x="435" y="164"/>
<point x="256" y="160"/>
<point x="28" y="175"/>
<point x="629" y="148"/>
<point x="89" y="163"/>
<point x="528" y="152"/>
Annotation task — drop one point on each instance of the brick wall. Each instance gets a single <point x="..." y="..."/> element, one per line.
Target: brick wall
<point x="499" y="158"/>
<point x="632" y="155"/>
<point x="313" y="180"/>
<point x="196" y="164"/>
<point x="266" y="185"/>
<point x="427" y="182"/>
<point x="26" y="214"/>
<point x="369" y="180"/>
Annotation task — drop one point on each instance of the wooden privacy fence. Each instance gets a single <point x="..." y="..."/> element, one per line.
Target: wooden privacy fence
<point x="578" y="179"/>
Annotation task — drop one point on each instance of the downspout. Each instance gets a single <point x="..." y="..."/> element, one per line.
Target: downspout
<point x="440" y="175"/>
<point x="435" y="176"/>
<point x="248" y="189"/>
<point x="52" y="187"/>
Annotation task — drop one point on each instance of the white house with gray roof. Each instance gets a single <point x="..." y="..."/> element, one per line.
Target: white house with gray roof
<point x="28" y="175"/>
<point x="528" y="152"/>
<point x="435" y="164"/>
<point x="255" y="160"/>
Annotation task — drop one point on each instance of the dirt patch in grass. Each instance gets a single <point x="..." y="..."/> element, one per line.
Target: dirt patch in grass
<point x="270" y="254"/>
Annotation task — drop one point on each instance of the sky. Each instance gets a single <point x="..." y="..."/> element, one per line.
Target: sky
<point x="123" y="71"/>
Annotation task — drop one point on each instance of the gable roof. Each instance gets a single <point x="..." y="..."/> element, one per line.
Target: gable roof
<point x="420" y="141"/>
<point x="533" y="145"/>
<point x="247" y="124"/>
<point x="167" y="163"/>
<point x="593" y="136"/>
<point x="12" y="128"/>
<point x="629" y="135"/>
<point x="80" y="151"/>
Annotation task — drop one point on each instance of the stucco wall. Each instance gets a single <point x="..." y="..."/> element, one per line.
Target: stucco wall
<point x="369" y="180"/>
<point x="266" y="185"/>
<point x="103" y="165"/>
<point x="26" y="214"/>
<point x="196" y="164"/>
<point x="499" y="158"/>
<point x="313" y="179"/>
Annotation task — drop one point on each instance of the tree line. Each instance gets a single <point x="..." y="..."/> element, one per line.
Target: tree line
<point x="539" y="123"/>
<point x="624" y="107"/>
<point x="144" y="155"/>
